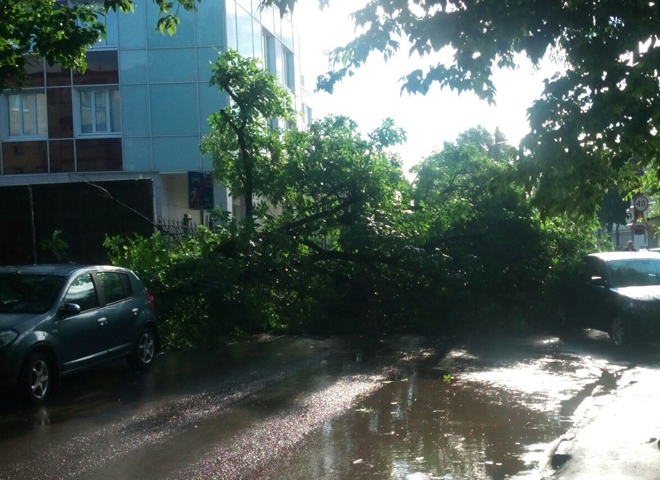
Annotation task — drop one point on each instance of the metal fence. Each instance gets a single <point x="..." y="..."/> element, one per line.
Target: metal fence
<point x="644" y="238"/>
<point x="177" y="228"/>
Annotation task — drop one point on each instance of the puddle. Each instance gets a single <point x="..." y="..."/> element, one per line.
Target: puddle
<point x="475" y="414"/>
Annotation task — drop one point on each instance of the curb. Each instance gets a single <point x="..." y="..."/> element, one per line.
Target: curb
<point x="559" y="452"/>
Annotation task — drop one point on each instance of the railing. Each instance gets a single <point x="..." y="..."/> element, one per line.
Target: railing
<point x="176" y="228"/>
<point x="624" y="234"/>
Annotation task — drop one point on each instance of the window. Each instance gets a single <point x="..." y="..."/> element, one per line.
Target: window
<point x="289" y="69"/>
<point x="273" y="123"/>
<point x="102" y="69"/>
<point x="308" y="114"/>
<point x="268" y="49"/>
<point x="99" y="112"/>
<point x="27" y="114"/>
<point x="115" y="286"/>
<point x="83" y="293"/>
<point x="595" y="268"/>
<point x="28" y="293"/>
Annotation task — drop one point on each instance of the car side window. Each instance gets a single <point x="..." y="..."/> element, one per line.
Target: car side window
<point x="115" y="286"/>
<point x="594" y="269"/>
<point x="83" y="293"/>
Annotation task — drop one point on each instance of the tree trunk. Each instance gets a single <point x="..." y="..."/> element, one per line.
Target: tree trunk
<point x="249" y="185"/>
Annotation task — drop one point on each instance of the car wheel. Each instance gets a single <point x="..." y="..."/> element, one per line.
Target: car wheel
<point x="144" y="350"/>
<point x="36" y="379"/>
<point x="619" y="332"/>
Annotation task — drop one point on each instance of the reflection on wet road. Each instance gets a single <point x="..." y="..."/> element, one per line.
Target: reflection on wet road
<point x="485" y="411"/>
<point x="404" y="408"/>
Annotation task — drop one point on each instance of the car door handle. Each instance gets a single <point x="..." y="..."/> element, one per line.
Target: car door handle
<point x="135" y="311"/>
<point x="103" y="320"/>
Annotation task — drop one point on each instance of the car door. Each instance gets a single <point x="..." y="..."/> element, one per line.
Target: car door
<point x="121" y="309"/>
<point x="596" y="294"/>
<point x="83" y="338"/>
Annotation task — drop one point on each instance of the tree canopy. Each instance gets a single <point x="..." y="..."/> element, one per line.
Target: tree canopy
<point x="242" y="144"/>
<point x="340" y="241"/>
<point x="595" y="124"/>
<point x="60" y="32"/>
<point x="356" y="248"/>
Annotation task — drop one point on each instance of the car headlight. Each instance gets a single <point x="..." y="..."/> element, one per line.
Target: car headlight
<point x="7" y="337"/>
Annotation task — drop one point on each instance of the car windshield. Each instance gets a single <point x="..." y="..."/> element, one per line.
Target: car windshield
<point x="28" y="293"/>
<point x="635" y="272"/>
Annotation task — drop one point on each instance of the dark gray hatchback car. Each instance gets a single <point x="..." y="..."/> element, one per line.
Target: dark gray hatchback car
<point x="56" y="320"/>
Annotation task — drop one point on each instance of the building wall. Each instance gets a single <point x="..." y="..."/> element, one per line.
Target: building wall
<point x="166" y="99"/>
<point x="142" y="106"/>
<point x="175" y="196"/>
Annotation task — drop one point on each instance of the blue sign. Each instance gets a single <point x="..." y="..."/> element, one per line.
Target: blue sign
<point x="200" y="190"/>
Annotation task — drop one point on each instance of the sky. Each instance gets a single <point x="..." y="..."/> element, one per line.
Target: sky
<point x="374" y="93"/>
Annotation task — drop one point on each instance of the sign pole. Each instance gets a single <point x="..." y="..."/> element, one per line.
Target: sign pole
<point x="34" y="231"/>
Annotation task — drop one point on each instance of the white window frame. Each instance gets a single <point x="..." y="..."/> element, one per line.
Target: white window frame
<point x="268" y="48"/>
<point x="289" y="68"/>
<point x="39" y="114"/>
<point x="109" y="113"/>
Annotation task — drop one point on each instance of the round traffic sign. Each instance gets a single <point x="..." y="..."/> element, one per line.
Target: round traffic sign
<point x="641" y="203"/>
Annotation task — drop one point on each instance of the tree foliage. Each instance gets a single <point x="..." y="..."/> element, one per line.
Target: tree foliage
<point x="344" y="242"/>
<point x="46" y="29"/>
<point x="356" y="248"/>
<point x="325" y="263"/>
<point x="596" y="121"/>
<point x="242" y="144"/>
<point x="613" y="209"/>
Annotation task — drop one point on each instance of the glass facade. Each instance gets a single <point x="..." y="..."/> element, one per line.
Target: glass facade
<point x="245" y="39"/>
<point x="133" y="67"/>
<point x="135" y="111"/>
<point x="62" y="156"/>
<point x="176" y="154"/>
<point x="24" y="157"/>
<point x="35" y="73"/>
<point x="98" y="155"/>
<point x="60" y="113"/>
<point x="137" y="154"/>
<point x="172" y="65"/>
<point x="57" y="75"/>
<point x="102" y="68"/>
<point x="174" y="109"/>
<point x="143" y="103"/>
<point x="39" y="127"/>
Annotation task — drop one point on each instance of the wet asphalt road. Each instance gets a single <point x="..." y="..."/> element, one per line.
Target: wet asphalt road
<point x="297" y="408"/>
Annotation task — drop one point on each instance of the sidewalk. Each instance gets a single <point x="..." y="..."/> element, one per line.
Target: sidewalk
<point x="617" y="436"/>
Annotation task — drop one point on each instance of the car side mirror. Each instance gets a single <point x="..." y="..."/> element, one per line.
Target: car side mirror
<point x="598" y="281"/>
<point x="70" y="309"/>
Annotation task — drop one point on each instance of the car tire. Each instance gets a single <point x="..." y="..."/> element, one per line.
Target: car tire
<point x="36" y="380"/>
<point x="144" y="350"/>
<point x="619" y="331"/>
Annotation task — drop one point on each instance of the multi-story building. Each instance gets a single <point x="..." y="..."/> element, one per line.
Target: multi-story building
<point x="132" y="123"/>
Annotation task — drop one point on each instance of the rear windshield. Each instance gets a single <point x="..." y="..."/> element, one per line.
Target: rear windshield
<point x="28" y="293"/>
<point x="635" y="272"/>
